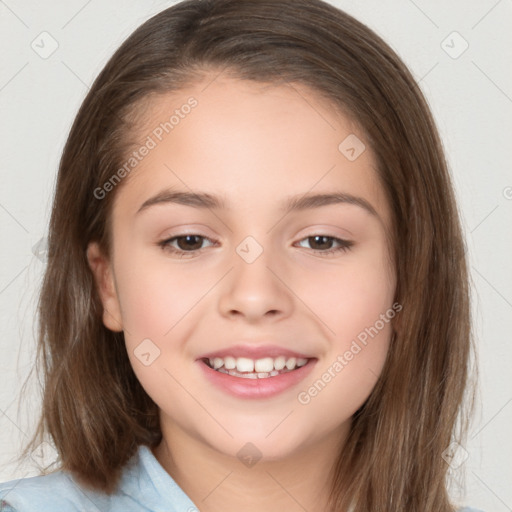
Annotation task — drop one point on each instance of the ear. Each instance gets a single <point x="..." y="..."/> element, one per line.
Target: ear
<point x="104" y="278"/>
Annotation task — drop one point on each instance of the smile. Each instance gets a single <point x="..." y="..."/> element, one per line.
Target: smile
<point x="247" y="368"/>
<point x="244" y="378"/>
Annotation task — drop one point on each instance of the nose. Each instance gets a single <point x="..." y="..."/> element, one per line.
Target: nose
<point x="256" y="290"/>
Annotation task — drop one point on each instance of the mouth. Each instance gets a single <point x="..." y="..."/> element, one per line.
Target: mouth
<point x="247" y="368"/>
<point x="255" y="378"/>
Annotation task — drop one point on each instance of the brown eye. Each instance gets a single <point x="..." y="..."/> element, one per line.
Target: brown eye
<point x="190" y="243"/>
<point x="323" y="244"/>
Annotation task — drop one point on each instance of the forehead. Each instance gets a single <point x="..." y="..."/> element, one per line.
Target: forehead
<point x="248" y="141"/>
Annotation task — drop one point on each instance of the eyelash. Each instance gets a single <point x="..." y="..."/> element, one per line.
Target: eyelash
<point x="344" y="247"/>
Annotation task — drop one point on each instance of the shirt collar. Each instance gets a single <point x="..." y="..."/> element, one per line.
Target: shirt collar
<point x="147" y="482"/>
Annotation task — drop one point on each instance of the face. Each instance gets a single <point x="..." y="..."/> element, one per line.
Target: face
<point x="238" y="278"/>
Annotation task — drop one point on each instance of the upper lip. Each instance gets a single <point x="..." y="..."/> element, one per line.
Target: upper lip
<point x="254" y="352"/>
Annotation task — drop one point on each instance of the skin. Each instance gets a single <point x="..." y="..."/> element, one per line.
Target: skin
<point x="254" y="145"/>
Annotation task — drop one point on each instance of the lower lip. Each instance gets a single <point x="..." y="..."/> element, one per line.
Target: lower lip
<point x="256" y="388"/>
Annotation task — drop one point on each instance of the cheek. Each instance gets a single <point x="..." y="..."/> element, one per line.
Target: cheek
<point x="159" y="307"/>
<point x="344" y="381"/>
<point x="350" y="297"/>
<point x="355" y="304"/>
<point x="156" y="297"/>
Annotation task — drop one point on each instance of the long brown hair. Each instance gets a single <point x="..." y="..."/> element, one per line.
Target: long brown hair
<point x="94" y="408"/>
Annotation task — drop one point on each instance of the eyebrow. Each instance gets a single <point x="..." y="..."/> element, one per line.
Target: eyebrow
<point x="294" y="203"/>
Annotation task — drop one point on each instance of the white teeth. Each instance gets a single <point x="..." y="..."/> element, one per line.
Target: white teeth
<point x="279" y="362"/>
<point x="290" y="364"/>
<point x="262" y="368"/>
<point x="243" y="364"/>
<point x="249" y="375"/>
<point x="264" y="365"/>
<point x="229" y="363"/>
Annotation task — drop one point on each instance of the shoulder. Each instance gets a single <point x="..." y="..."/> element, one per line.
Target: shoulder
<point x="60" y="491"/>
<point x="54" y="491"/>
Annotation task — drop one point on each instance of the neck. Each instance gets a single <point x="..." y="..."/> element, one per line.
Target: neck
<point x="218" y="482"/>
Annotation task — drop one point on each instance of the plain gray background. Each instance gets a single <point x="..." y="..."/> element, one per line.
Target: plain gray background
<point x="466" y="77"/>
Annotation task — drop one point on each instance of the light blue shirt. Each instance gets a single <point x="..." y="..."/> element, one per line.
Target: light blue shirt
<point x="145" y="486"/>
